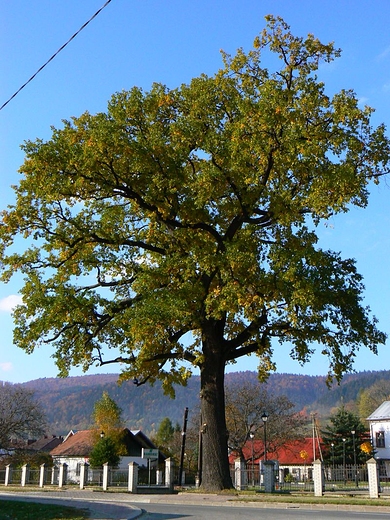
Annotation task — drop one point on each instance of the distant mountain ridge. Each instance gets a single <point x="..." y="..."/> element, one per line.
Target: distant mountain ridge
<point x="68" y="403"/>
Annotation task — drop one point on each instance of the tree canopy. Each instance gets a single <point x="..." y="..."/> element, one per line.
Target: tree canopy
<point x="178" y="229"/>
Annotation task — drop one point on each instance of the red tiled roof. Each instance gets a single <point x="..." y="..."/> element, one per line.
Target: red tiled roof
<point x="295" y="452"/>
<point x="79" y="444"/>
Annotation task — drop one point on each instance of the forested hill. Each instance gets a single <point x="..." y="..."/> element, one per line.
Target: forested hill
<point x="69" y="402"/>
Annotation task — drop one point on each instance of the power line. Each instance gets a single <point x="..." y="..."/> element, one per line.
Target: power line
<point x="55" y="54"/>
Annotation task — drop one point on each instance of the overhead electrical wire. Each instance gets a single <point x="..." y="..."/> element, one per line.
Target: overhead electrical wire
<point x="54" y="55"/>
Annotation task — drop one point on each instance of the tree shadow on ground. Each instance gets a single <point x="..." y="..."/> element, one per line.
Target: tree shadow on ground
<point x="163" y="516"/>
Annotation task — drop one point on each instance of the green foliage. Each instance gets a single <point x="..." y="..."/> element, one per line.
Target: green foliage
<point x="342" y="423"/>
<point x="105" y="450"/>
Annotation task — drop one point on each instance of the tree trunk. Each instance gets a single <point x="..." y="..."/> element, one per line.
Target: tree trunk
<point x="215" y="462"/>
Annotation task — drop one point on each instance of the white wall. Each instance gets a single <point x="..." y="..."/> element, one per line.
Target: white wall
<point x="376" y="426"/>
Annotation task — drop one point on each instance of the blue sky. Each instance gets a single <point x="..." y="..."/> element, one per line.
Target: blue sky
<point x="138" y="43"/>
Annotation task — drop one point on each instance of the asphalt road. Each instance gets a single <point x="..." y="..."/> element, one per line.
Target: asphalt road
<point x="202" y="512"/>
<point x="193" y="506"/>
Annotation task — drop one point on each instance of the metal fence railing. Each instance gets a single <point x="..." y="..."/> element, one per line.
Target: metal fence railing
<point x="119" y="478"/>
<point x="337" y="478"/>
<point x="252" y="478"/>
<point x="384" y="477"/>
<point x="94" y="477"/>
<point x="346" y="477"/>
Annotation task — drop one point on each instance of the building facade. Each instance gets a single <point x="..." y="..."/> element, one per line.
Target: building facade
<point x="379" y="422"/>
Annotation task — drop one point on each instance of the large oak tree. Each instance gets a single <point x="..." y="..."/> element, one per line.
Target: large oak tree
<point x="178" y="229"/>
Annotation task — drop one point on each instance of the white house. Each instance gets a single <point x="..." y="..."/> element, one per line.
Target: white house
<point x="294" y="458"/>
<point x="77" y="446"/>
<point x="380" y="436"/>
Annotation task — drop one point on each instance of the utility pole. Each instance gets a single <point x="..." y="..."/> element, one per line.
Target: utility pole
<point x="183" y="444"/>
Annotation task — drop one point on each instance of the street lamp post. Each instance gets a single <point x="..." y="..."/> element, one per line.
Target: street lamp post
<point x="354" y="458"/>
<point x="264" y="418"/>
<point x="252" y="436"/>
<point x="345" y="480"/>
<point x="332" y="448"/>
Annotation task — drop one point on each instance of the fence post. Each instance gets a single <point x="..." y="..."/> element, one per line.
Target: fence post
<point x="318" y="478"/>
<point x="42" y="474"/>
<point x="133" y="477"/>
<point x="159" y="477"/>
<point x="169" y="473"/>
<point x="105" y="476"/>
<point x="8" y="475"/>
<point x="83" y="474"/>
<point x="62" y="474"/>
<point x="269" y="476"/>
<point x="25" y="474"/>
<point x="373" y="480"/>
<point x="239" y="475"/>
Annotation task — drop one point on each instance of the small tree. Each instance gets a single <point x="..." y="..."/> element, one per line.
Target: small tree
<point x="346" y="445"/>
<point x="164" y="437"/>
<point x="107" y="415"/>
<point x="109" y="432"/>
<point x="104" y="451"/>
<point x="20" y="415"/>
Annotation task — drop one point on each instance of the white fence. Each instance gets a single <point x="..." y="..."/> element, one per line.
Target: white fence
<point x="346" y="478"/>
<point x="104" y="477"/>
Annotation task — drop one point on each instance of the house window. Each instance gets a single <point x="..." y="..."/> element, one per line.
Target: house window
<point x="380" y="439"/>
<point x="78" y="469"/>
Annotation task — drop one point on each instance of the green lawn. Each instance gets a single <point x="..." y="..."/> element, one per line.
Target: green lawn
<point x="14" y="510"/>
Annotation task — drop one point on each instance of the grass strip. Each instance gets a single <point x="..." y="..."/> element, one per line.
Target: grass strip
<point x="15" y="510"/>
